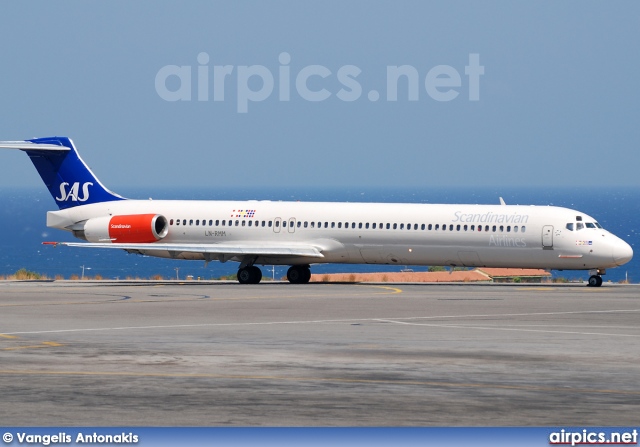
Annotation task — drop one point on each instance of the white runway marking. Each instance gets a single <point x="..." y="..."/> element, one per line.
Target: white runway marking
<point x="395" y="320"/>
<point x="513" y="329"/>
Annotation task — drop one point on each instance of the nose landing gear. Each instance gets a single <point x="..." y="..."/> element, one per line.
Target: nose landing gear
<point x="595" y="281"/>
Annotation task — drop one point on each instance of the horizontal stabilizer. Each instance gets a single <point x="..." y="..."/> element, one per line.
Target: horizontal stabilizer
<point x="29" y="146"/>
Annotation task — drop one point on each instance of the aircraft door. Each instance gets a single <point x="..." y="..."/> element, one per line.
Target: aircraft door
<point x="292" y="225"/>
<point x="276" y="224"/>
<point x="547" y="236"/>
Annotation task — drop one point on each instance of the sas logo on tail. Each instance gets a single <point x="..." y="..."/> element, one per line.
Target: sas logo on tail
<point x="72" y="193"/>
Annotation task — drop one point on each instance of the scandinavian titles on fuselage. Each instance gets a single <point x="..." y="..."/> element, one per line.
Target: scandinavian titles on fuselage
<point x="490" y="217"/>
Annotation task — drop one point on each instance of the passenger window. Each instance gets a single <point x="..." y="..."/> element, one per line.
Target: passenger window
<point x="401" y="226"/>
<point x="388" y="226"/>
<point x="237" y="223"/>
<point x="430" y="227"/>
<point x="451" y="227"/>
<point x="277" y="223"/>
<point x="333" y="224"/>
<point x="523" y="229"/>
<point x="171" y="222"/>
<point x="306" y="224"/>
<point x="515" y="229"/>
<point x="373" y="226"/>
<point x="422" y="227"/>
<point x="508" y="228"/>
<point x="270" y="222"/>
<point x="486" y="228"/>
<point x="437" y="227"/>
<point x="444" y="228"/>
<point x="299" y="223"/>
<point x="501" y="228"/>
<point x="190" y="222"/>
<point x="184" y="221"/>
<point x="479" y="227"/>
<point x="570" y="226"/>
<point x="395" y="226"/>
<point x="249" y="223"/>
<point x="178" y="222"/>
<point x="458" y="227"/>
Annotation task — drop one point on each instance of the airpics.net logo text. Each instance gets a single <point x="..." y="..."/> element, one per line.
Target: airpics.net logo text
<point x="257" y="83"/>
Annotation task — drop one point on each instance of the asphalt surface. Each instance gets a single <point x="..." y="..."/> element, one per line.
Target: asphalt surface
<point x="223" y="354"/>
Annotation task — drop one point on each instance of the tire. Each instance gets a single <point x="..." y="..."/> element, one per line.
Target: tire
<point x="256" y="274"/>
<point x="299" y="274"/>
<point x="595" y="281"/>
<point x="294" y="274"/>
<point x="245" y="275"/>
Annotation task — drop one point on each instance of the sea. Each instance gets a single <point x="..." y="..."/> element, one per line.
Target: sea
<point x="23" y="228"/>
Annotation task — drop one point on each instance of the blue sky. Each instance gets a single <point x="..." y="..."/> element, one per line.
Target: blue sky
<point x="558" y="102"/>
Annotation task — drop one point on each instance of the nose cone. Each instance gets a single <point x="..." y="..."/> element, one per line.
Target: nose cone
<point x="622" y="252"/>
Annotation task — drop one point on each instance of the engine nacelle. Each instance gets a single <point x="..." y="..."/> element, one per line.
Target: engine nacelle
<point x="134" y="228"/>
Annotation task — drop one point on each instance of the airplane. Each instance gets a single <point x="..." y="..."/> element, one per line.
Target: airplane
<point x="300" y="234"/>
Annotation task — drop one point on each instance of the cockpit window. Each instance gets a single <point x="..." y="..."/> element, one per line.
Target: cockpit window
<point x="598" y="225"/>
<point x="590" y="225"/>
<point x="579" y="226"/>
<point x="570" y="226"/>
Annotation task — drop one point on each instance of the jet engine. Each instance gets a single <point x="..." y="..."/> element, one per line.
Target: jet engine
<point x="134" y="228"/>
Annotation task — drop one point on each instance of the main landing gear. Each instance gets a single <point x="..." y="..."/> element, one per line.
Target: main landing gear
<point x="249" y="275"/>
<point x="297" y="274"/>
<point x="595" y="281"/>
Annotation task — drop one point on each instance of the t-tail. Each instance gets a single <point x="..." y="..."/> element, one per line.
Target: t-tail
<point x="69" y="180"/>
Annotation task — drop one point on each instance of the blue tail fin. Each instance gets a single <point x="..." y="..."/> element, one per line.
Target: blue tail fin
<point x="69" y="180"/>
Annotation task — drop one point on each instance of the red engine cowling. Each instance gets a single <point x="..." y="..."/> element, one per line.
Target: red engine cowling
<point x="134" y="228"/>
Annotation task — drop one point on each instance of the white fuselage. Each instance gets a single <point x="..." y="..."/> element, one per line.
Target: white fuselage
<point x="376" y="233"/>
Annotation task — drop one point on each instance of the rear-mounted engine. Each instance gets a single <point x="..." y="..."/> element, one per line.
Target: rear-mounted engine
<point x="135" y="228"/>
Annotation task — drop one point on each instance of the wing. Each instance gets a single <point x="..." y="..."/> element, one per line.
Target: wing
<point x="209" y="252"/>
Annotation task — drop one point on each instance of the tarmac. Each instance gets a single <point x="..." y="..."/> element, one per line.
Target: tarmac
<point x="276" y="354"/>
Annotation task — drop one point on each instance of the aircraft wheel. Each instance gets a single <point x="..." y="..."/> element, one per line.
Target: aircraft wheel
<point x="249" y="275"/>
<point x="256" y="274"/>
<point x="595" y="281"/>
<point x="299" y="274"/>
<point x="245" y="275"/>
